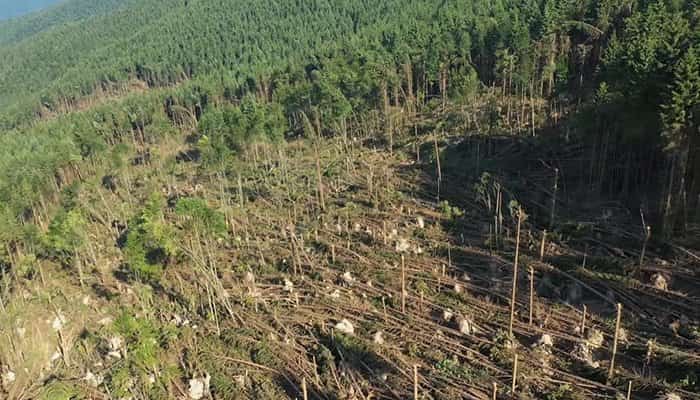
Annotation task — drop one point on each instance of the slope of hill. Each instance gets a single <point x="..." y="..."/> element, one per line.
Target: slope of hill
<point x="350" y="200"/>
<point x="164" y="42"/>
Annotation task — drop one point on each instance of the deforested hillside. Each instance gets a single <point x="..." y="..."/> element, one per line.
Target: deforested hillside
<point x="210" y="199"/>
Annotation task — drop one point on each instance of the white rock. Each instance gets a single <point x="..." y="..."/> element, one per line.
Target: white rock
<point x="545" y="341"/>
<point x="116" y="343"/>
<point x="447" y="315"/>
<point x="378" y="338"/>
<point x="105" y="321"/>
<point x="458" y="288"/>
<point x="348" y="278"/>
<point x="93" y="380"/>
<point x="659" y="281"/>
<point x="402" y="245"/>
<point x="54" y="357"/>
<point x="288" y="285"/>
<point x="421" y="222"/>
<point x="199" y="387"/>
<point x="179" y="321"/>
<point x="58" y="322"/>
<point x="151" y="379"/>
<point x="345" y="327"/>
<point x="335" y="294"/>
<point x="466" y="327"/>
<point x="21" y="332"/>
<point x="466" y="277"/>
<point x="86" y="300"/>
<point x="8" y="377"/>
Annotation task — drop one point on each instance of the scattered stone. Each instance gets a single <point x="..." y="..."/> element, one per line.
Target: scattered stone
<point x="348" y="278"/>
<point x="420" y="222"/>
<point x="116" y="344"/>
<point x="458" y="288"/>
<point x="58" y="322"/>
<point x="199" y="387"/>
<point x="402" y="245"/>
<point x="55" y="357"/>
<point x="345" y="327"/>
<point x="21" y="332"/>
<point x="447" y="315"/>
<point x="466" y="277"/>
<point x="288" y="285"/>
<point x="466" y="326"/>
<point x="93" y="380"/>
<point x="335" y="294"/>
<point x="179" y="321"/>
<point x="659" y="281"/>
<point x="544" y="341"/>
<point x="378" y="338"/>
<point x="8" y="377"/>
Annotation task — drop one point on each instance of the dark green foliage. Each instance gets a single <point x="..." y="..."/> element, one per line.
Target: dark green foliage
<point x="150" y="240"/>
<point x="230" y="129"/>
<point x="201" y="217"/>
<point x="144" y="341"/>
<point x="336" y="65"/>
<point x="66" y="234"/>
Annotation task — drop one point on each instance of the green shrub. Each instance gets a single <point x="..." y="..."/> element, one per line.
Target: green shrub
<point x="66" y="234"/>
<point x="150" y="241"/>
<point x="201" y="217"/>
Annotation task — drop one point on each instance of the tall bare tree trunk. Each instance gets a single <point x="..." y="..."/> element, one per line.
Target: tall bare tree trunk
<point x="388" y="128"/>
<point x="410" y="97"/>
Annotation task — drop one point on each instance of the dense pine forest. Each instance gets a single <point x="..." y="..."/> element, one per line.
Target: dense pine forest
<point x="350" y="199"/>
